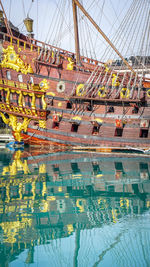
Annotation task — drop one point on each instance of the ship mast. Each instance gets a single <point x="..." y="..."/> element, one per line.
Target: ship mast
<point x="76" y="33"/>
<point x="6" y="20"/>
<point x="76" y="2"/>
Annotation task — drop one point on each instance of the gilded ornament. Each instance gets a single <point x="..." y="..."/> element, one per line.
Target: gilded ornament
<point x="51" y="93"/>
<point x="33" y="101"/>
<point x="34" y="113"/>
<point x="20" y="99"/>
<point x="115" y="81"/>
<point x="17" y="127"/>
<point x="42" y="124"/>
<point x="43" y="85"/>
<point x="28" y="111"/>
<point x="43" y="102"/>
<point x="8" y="96"/>
<point x="13" y="61"/>
<point x="70" y="65"/>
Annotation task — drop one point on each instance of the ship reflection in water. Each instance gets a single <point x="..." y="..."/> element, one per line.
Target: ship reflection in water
<point x="74" y="209"/>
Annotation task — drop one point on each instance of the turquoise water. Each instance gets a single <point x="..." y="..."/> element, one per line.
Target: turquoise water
<point x="74" y="209"/>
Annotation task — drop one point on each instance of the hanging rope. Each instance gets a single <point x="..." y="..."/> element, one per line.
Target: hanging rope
<point x="29" y="8"/>
<point x="24" y="9"/>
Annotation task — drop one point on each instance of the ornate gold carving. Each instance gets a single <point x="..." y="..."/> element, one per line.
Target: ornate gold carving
<point x="115" y="81"/>
<point x="43" y="85"/>
<point x="42" y="124"/>
<point x="33" y="101"/>
<point x="43" y="102"/>
<point x="17" y="127"/>
<point x="7" y="96"/>
<point x="70" y="65"/>
<point x="5" y="120"/>
<point x="20" y="99"/>
<point x="13" y="61"/>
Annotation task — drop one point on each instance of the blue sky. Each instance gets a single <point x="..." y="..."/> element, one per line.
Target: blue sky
<point x="48" y="24"/>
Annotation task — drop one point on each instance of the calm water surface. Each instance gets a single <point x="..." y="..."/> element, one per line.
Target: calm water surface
<point x="74" y="209"/>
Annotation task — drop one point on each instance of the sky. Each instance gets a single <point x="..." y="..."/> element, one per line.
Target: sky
<point x="53" y="21"/>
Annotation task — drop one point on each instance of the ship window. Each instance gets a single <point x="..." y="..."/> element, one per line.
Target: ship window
<point x="135" y="110"/>
<point x="8" y="75"/>
<point x="89" y="107"/>
<point x="31" y="80"/>
<point x="95" y="129"/>
<point x="111" y="109"/>
<point x="74" y="127"/>
<point x="69" y="105"/>
<point x="118" y="131"/>
<point x="55" y="125"/>
<point x="143" y="133"/>
<point x="11" y="97"/>
<point x="20" y="78"/>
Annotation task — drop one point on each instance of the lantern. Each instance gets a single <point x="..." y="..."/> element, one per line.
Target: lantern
<point x="29" y="24"/>
<point x="1" y="15"/>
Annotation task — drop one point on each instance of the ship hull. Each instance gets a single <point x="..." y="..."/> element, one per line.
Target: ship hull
<point x="60" y="113"/>
<point x="65" y="139"/>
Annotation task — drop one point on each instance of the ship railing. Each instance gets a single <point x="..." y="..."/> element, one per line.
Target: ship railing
<point x="19" y="86"/>
<point x="35" y="45"/>
<point x="8" y="88"/>
<point x="38" y="114"/>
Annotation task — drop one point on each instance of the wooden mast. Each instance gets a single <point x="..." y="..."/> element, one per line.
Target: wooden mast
<point x="103" y="34"/>
<point x="6" y="20"/>
<point x="76" y="33"/>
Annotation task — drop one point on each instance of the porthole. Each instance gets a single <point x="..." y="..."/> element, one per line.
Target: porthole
<point x="20" y="78"/>
<point x="60" y="87"/>
<point x="8" y="75"/>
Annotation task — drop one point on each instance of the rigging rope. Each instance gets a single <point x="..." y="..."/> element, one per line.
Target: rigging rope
<point x="24" y="9"/>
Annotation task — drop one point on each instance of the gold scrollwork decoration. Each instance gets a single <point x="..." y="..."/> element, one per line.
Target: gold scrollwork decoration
<point x="70" y="65"/>
<point x="16" y="126"/>
<point x="42" y="124"/>
<point x="43" y="85"/>
<point x="13" y="61"/>
<point x="28" y="111"/>
<point x="2" y="106"/>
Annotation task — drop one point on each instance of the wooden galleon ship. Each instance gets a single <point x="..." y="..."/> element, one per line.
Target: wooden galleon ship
<point x="50" y="96"/>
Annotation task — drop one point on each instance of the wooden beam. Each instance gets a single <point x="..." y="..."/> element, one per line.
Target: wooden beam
<point x="103" y="34"/>
<point x="77" y="48"/>
<point x="6" y="20"/>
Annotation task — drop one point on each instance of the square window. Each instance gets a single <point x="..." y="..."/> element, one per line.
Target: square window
<point x="118" y="131"/>
<point x="69" y="105"/>
<point x="31" y="80"/>
<point x="74" y="127"/>
<point x="95" y="129"/>
<point x="111" y="109"/>
<point x="8" y="75"/>
<point x="20" y="78"/>
<point x="143" y="133"/>
<point x="55" y="125"/>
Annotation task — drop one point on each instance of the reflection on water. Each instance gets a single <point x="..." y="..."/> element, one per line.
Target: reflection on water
<point x="74" y="209"/>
